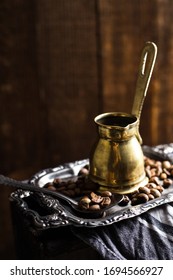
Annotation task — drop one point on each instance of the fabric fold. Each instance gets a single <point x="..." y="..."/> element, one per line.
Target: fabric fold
<point x="145" y="237"/>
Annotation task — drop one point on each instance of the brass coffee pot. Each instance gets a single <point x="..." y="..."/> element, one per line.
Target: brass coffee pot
<point x="117" y="160"/>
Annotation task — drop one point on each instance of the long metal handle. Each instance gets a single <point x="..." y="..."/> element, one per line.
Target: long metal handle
<point x="146" y="66"/>
<point x="29" y="187"/>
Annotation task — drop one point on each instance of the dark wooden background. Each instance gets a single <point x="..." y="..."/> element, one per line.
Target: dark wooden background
<point x="64" y="62"/>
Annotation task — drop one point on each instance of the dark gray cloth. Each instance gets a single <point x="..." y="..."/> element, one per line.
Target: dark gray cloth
<point x="145" y="237"/>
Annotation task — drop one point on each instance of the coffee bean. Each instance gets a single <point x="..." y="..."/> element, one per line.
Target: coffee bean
<point x="96" y="198"/>
<point x="167" y="182"/>
<point x="149" y="162"/>
<point x="77" y="191"/>
<point x="85" y="200"/>
<point x="84" y="172"/>
<point x="153" y="172"/>
<point x="65" y="192"/>
<point x="155" y="193"/>
<point x="158" y="163"/>
<point x="148" y="172"/>
<point x="144" y="190"/>
<point x="60" y="189"/>
<point x="133" y="194"/>
<point x="83" y="205"/>
<point x="155" y="180"/>
<point x="106" y="194"/>
<point x="71" y="186"/>
<point x="71" y="193"/>
<point x="57" y="181"/>
<point x="163" y="176"/>
<point x="105" y="202"/>
<point x="166" y="164"/>
<point x="151" y="196"/>
<point x="159" y="170"/>
<point x="124" y="201"/>
<point x="160" y="189"/>
<point x="166" y="171"/>
<point x="142" y="197"/>
<point x="51" y="187"/>
<point x="94" y="207"/>
<point x="151" y="185"/>
<point x="134" y="201"/>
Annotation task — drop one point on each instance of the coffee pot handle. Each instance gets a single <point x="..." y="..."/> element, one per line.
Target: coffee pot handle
<point x="146" y="66"/>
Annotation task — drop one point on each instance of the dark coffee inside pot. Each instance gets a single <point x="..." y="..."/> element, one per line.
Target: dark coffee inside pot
<point x="117" y="120"/>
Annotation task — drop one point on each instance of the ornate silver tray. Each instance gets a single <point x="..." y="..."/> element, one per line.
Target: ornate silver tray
<point x="50" y="213"/>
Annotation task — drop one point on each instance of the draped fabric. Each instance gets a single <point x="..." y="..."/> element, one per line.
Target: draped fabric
<point x="146" y="237"/>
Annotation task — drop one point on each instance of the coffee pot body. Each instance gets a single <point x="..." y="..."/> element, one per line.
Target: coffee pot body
<point x="117" y="160"/>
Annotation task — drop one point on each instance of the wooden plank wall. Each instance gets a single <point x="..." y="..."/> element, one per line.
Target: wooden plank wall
<point x="64" y="62"/>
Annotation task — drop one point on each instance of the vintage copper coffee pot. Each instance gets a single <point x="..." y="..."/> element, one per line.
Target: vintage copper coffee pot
<point x="117" y="160"/>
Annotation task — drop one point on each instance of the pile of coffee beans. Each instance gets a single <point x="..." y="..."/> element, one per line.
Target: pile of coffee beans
<point x="160" y="177"/>
<point x="73" y="187"/>
<point x="95" y="201"/>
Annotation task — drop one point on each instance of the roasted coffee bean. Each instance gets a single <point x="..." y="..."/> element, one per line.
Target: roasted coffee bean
<point x="151" y="196"/>
<point x="61" y="188"/>
<point x="57" y="181"/>
<point x="65" y="192"/>
<point x="48" y="184"/>
<point x="166" y="171"/>
<point x="166" y="164"/>
<point x="84" y="203"/>
<point x="142" y="197"/>
<point x="71" y="186"/>
<point x="84" y="171"/>
<point x="105" y="202"/>
<point x="85" y="200"/>
<point x="163" y="176"/>
<point x="153" y="172"/>
<point x="124" y="201"/>
<point x="83" y="206"/>
<point x="160" y="189"/>
<point x="144" y="189"/>
<point x="71" y="193"/>
<point x="167" y="182"/>
<point x="106" y="194"/>
<point x="151" y="185"/>
<point x="94" y="207"/>
<point x="133" y="194"/>
<point x="96" y="198"/>
<point x="135" y="201"/>
<point x="158" y="163"/>
<point x="159" y="170"/>
<point x="51" y="187"/>
<point x="155" y="180"/>
<point x="77" y="191"/>
<point x="155" y="193"/>
<point x="148" y="172"/>
<point x="149" y="162"/>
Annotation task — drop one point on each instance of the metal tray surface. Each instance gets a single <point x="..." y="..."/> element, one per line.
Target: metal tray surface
<point x="56" y="215"/>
